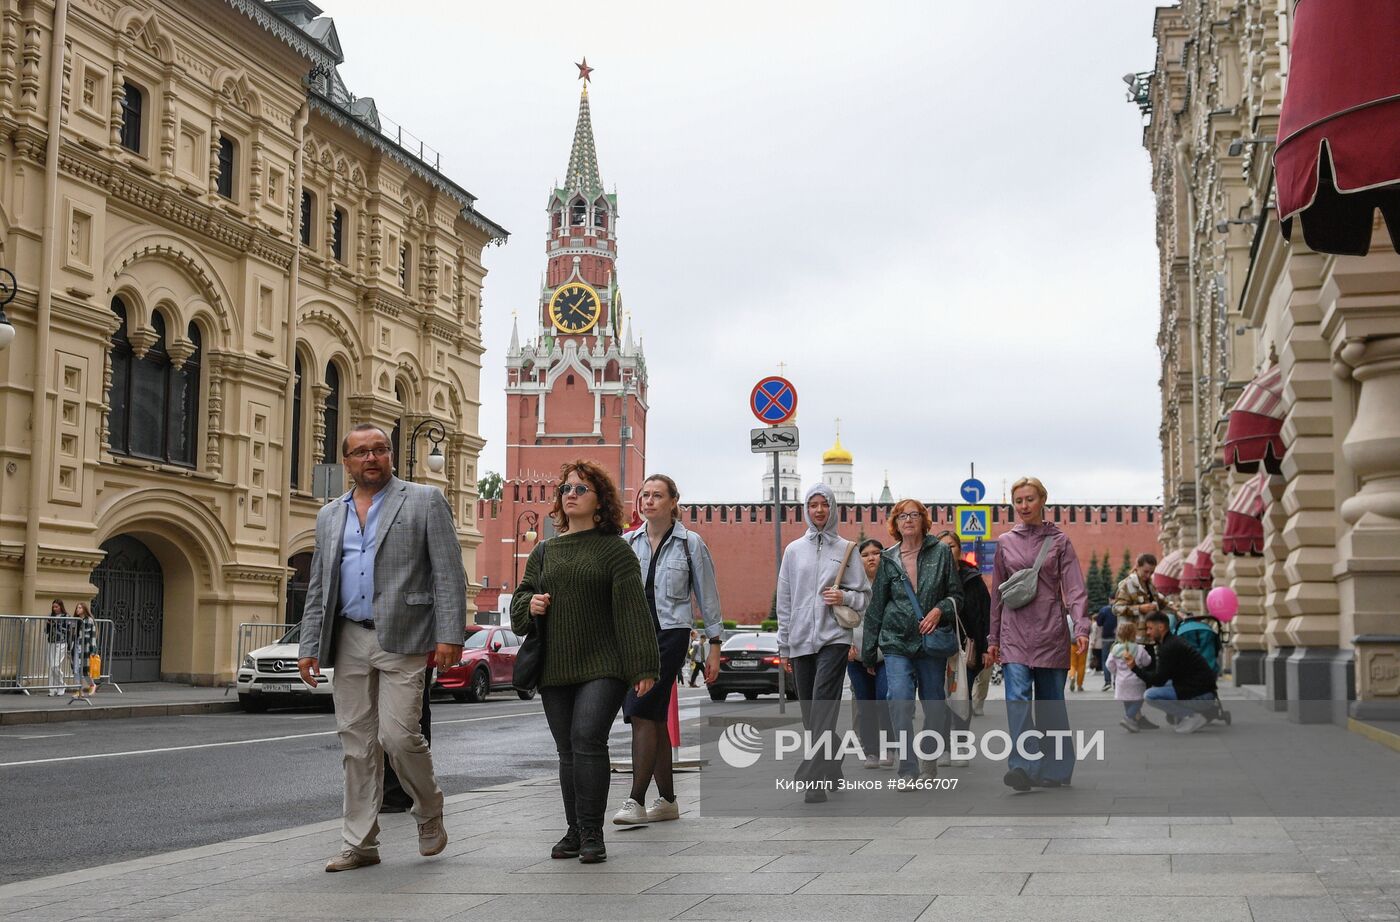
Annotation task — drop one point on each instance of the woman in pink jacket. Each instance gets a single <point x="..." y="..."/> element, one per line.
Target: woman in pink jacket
<point x="1032" y="642"/>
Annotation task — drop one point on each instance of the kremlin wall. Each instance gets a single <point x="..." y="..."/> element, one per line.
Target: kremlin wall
<point x="740" y="538"/>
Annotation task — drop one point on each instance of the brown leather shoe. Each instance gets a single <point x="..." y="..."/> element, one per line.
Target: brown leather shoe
<point x="349" y="860"/>
<point x="432" y="836"/>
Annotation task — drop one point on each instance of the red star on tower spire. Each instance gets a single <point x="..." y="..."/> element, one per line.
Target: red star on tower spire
<point x="584" y="70"/>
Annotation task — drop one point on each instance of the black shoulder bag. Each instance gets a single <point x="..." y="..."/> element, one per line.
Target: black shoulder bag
<point x="529" y="659"/>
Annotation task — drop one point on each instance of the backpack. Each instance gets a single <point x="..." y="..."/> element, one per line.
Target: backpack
<point x="1203" y="637"/>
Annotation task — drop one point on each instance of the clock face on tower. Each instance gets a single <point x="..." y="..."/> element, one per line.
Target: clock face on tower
<point x="575" y="308"/>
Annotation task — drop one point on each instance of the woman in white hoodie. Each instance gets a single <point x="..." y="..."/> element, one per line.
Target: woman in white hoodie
<point x="810" y="581"/>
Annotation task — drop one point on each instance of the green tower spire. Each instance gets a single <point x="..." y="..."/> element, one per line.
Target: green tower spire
<point x="582" y="174"/>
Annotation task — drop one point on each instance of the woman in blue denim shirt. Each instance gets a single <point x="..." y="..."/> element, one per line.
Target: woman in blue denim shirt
<point x="675" y="565"/>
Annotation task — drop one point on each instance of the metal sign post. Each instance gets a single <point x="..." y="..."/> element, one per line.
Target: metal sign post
<point x="774" y="401"/>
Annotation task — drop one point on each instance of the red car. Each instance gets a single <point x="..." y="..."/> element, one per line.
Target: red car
<point x="488" y="660"/>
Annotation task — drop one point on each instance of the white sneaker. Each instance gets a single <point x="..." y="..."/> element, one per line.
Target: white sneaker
<point x="662" y="809"/>
<point x="631" y="814"/>
<point x="1192" y="724"/>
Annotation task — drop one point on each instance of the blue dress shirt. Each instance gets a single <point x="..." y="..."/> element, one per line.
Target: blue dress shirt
<point x="357" y="549"/>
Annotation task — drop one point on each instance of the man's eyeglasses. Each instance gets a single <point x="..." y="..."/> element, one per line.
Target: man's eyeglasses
<point x="379" y="451"/>
<point x="577" y="489"/>
<point x="908" y="516"/>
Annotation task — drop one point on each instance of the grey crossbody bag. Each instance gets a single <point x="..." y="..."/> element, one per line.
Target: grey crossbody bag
<point x="1019" y="588"/>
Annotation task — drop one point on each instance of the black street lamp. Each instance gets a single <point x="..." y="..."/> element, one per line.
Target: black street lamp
<point x="436" y="433"/>
<point x="8" y="287"/>
<point x="533" y="517"/>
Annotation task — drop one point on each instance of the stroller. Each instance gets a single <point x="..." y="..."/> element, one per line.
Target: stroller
<point x="1203" y="633"/>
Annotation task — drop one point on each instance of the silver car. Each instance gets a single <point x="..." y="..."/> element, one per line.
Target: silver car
<point x="269" y="677"/>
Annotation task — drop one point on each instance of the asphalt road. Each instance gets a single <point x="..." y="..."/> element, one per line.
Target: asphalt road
<point x="76" y="795"/>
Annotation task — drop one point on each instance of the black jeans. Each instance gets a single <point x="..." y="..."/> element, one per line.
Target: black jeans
<point x="580" y="718"/>
<point x="820" y="678"/>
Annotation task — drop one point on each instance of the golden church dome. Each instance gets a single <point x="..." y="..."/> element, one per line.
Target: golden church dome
<point x="836" y="454"/>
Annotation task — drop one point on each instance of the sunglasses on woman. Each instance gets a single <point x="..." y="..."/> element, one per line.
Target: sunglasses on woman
<point x="577" y="489"/>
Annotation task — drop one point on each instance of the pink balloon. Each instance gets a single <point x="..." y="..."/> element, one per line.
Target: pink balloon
<point x="1223" y="603"/>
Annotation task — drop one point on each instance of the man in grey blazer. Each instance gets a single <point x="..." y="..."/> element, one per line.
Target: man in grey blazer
<point x="386" y="587"/>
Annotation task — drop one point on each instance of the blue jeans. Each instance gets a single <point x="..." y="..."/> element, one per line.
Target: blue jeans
<point x="1131" y="709"/>
<point x="904" y="674"/>
<point x="1103" y="664"/>
<point x="872" y="711"/>
<point x="1035" y="700"/>
<point x="1164" y="698"/>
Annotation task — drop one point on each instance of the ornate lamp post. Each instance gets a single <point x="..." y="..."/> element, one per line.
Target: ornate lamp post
<point x="436" y="433"/>
<point x="533" y="518"/>
<point x="8" y="286"/>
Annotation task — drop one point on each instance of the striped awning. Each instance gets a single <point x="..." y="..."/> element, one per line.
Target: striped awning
<point x="1255" y="430"/>
<point x="1167" y="576"/>
<point x="1197" y="572"/>
<point x="1244" y="517"/>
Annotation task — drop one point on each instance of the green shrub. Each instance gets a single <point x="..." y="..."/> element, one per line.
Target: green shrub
<point x="769" y="625"/>
<point x="730" y="624"/>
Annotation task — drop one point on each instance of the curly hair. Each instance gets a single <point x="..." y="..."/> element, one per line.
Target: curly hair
<point x="908" y="505"/>
<point x="611" y="518"/>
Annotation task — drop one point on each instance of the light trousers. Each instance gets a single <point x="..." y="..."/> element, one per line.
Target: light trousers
<point x="378" y="704"/>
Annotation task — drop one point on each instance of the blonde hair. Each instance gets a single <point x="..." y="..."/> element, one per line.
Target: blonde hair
<point x="1127" y="631"/>
<point x="1033" y="482"/>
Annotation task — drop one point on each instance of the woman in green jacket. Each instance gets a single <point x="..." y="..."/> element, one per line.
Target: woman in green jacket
<point x="913" y="605"/>
<point x="600" y="639"/>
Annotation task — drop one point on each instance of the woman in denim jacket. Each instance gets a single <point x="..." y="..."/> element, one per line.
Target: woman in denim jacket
<point x="675" y="565"/>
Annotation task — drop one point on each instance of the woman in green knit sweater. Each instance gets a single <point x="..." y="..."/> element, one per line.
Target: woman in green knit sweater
<point x="600" y="641"/>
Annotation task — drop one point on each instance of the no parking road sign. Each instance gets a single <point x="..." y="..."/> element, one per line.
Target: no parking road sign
<point x="974" y="522"/>
<point x="774" y="400"/>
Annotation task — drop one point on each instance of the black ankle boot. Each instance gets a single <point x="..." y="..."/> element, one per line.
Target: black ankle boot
<point x="567" y="847"/>
<point x="591" y="849"/>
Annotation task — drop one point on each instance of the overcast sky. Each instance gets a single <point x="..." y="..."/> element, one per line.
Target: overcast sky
<point x="938" y="215"/>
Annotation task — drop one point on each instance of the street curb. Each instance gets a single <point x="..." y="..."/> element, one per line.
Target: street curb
<point x="1375" y="734"/>
<point x="114" y="712"/>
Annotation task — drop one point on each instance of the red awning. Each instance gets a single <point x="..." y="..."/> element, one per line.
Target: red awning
<point x="1338" y="155"/>
<point x="1167" y="576"/>
<point x="1244" y="517"/>
<point x="1255" y="430"/>
<point x="1197" y="571"/>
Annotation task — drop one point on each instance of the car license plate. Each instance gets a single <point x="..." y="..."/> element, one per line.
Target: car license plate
<point x="743" y="664"/>
<point x="284" y="687"/>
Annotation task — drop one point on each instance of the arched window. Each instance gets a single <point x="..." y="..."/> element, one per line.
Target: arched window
<point x="308" y="211"/>
<point x="182" y="409"/>
<point x="330" y="448"/>
<point x="600" y="216"/>
<point x="224" y="183"/>
<point x="133" y="102"/>
<point x="556" y="218"/>
<point x="578" y="212"/>
<point x="296" y="424"/>
<point x="155" y="406"/>
<point x="338" y="235"/>
<point x="117" y="397"/>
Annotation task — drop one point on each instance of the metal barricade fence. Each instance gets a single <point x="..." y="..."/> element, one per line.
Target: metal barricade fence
<point x="37" y="652"/>
<point x="251" y="636"/>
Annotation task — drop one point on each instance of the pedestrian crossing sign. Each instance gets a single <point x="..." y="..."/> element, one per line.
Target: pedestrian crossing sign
<point x="974" y="522"/>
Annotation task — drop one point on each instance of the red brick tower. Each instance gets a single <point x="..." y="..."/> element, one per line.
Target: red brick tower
<point x="578" y="387"/>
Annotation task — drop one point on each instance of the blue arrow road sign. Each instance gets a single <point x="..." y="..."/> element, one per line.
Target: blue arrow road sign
<point x="974" y="522"/>
<point x="973" y="490"/>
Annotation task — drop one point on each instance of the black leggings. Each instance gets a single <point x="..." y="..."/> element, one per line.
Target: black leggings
<point x="580" y="718"/>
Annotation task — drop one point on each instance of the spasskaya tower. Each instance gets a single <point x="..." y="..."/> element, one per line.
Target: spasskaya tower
<point x="577" y="388"/>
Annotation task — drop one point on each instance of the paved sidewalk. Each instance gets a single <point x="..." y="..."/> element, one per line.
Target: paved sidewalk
<point x="137" y="699"/>
<point x="497" y="867"/>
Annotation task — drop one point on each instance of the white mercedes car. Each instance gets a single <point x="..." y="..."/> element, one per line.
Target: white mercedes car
<point x="268" y="677"/>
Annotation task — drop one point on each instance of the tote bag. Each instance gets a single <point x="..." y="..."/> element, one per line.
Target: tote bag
<point x="529" y="659"/>
<point x="959" y="692"/>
